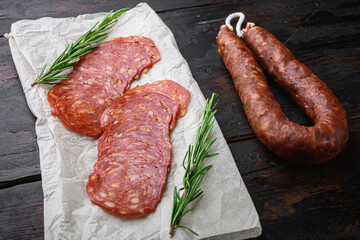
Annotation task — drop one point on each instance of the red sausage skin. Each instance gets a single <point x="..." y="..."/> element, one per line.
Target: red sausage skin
<point x="301" y="144"/>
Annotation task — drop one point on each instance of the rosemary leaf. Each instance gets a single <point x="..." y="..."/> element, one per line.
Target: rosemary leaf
<point x="82" y="46"/>
<point x="189" y="229"/>
<point x="194" y="170"/>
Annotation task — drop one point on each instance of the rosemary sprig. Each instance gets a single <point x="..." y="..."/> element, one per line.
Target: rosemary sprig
<point x="194" y="170"/>
<point x="85" y="44"/>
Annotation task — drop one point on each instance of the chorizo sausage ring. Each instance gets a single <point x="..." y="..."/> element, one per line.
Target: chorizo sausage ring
<point x="301" y="144"/>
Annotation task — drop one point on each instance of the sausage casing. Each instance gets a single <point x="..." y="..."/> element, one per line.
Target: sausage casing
<point x="302" y="144"/>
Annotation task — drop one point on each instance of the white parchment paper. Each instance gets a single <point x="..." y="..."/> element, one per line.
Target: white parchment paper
<point x="67" y="158"/>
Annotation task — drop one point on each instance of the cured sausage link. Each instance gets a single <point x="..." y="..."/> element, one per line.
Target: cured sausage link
<point x="289" y="140"/>
<point x="330" y="132"/>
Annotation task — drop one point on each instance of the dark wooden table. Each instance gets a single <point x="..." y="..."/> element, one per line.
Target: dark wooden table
<point x="293" y="202"/>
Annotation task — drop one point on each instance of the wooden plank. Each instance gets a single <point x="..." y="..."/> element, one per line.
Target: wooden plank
<point x="12" y="11"/>
<point x="21" y="212"/>
<point x="14" y="112"/>
<point x="325" y="43"/>
<point x="18" y="181"/>
<point x="19" y="155"/>
<point x="301" y="202"/>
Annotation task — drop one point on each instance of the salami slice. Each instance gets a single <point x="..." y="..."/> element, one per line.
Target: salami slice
<point x="134" y="152"/>
<point x="127" y="187"/>
<point x="171" y="106"/>
<point x="156" y="130"/>
<point x="169" y="88"/>
<point x="158" y="104"/>
<point x="160" y="160"/>
<point x="108" y="70"/>
<point x="136" y="138"/>
<point x="83" y="82"/>
<point x="129" y="49"/>
<point x="80" y="109"/>
<point x="97" y="69"/>
<point x="125" y="107"/>
<point x="147" y="43"/>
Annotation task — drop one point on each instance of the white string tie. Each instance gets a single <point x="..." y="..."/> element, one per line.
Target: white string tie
<point x="241" y="17"/>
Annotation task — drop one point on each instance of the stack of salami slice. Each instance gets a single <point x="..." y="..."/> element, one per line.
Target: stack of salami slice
<point x="134" y="152"/>
<point x="98" y="79"/>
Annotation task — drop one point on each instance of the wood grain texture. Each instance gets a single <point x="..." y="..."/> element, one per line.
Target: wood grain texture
<point x="21" y="212"/>
<point x="19" y="156"/>
<point x="293" y="202"/>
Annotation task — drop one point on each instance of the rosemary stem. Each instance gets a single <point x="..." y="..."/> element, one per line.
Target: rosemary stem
<point x="194" y="169"/>
<point x="172" y="229"/>
<point x="186" y="190"/>
<point x="37" y="81"/>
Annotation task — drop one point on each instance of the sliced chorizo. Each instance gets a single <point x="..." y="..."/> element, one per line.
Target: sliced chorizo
<point x="111" y="67"/>
<point x="156" y="130"/>
<point x="80" y="109"/>
<point x="169" y="88"/>
<point x="128" y="187"/>
<point x="135" y="107"/>
<point x="134" y="152"/>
